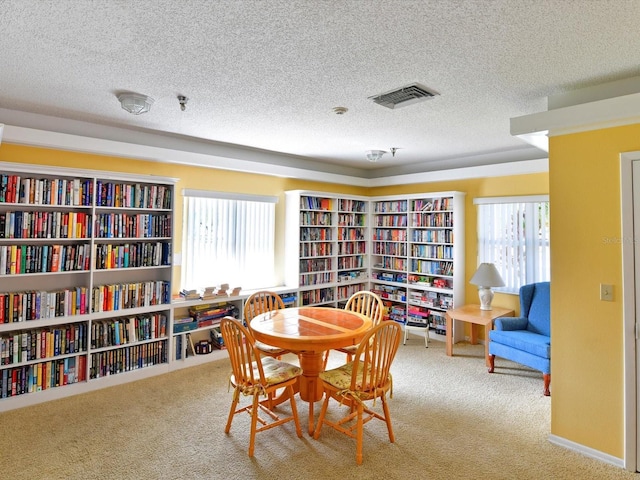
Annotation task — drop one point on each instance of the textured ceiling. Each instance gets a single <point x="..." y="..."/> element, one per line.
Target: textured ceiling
<point x="267" y="74"/>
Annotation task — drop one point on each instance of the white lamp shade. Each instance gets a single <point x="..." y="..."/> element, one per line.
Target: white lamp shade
<point x="487" y="275"/>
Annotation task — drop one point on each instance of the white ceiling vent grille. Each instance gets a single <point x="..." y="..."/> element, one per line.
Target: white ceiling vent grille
<point x="401" y="97"/>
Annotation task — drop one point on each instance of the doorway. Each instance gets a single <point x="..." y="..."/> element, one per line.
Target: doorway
<point x="630" y="243"/>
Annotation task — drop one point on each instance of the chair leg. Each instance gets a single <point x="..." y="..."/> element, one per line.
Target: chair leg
<point x="326" y="359"/>
<point x="323" y="411"/>
<point x="294" y="410"/>
<point x="547" y="382"/>
<point x="232" y="412"/>
<point x="349" y="358"/>
<point x="254" y="422"/>
<point x="387" y="418"/>
<point x="359" y="434"/>
<point x="492" y="359"/>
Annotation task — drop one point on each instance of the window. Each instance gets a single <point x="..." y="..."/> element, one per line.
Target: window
<point x="513" y="234"/>
<point x="228" y="239"/>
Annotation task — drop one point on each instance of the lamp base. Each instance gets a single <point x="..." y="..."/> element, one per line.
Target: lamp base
<point x="486" y="297"/>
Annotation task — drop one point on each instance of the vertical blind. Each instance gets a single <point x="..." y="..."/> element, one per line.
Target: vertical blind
<point x="513" y="234"/>
<point x="228" y="240"/>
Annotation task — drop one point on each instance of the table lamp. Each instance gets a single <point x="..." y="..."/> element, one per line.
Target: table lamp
<point x="486" y="276"/>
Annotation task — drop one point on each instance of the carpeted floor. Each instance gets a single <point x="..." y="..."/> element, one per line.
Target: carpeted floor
<point x="451" y="418"/>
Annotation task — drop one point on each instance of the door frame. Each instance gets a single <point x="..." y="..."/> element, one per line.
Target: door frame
<point x="629" y="309"/>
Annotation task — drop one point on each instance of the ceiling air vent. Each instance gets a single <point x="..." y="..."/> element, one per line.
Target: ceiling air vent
<point x="401" y="97"/>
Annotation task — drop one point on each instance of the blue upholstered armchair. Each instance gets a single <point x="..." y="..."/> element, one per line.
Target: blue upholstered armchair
<point x="526" y="339"/>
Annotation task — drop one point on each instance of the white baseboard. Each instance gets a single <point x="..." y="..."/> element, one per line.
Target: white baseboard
<point x="586" y="451"/>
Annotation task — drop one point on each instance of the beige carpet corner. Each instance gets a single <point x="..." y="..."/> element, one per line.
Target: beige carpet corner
<point x="451" y="418"/>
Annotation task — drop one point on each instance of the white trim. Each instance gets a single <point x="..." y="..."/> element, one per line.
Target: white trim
<point x="511" y="199"/>
<point x="237" y="158"/>
<point x="83" y="173"/>
<point x="1" y="131"/>
<point x="190" y="192"/>
<point x="628" y="310"/>
<point x="586" y="451"/>
<point x="610" y="112"/>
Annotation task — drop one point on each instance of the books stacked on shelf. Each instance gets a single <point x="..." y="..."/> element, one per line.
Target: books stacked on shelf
<point x="190" y="294"/>
<point x="184" y="324"/>
<point x="209" y="293"/>
<point x="216" y="338"/>
<point x="208" y="315"/>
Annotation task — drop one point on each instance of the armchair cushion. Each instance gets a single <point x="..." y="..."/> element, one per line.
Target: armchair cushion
<point x="524" y="340"/>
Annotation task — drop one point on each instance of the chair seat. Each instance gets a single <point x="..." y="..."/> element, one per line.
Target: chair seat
<point x="340" y="378"/>
<point x="524" y="340"/>
<point x="275" y="371"/>
<point x="269" y="349"/>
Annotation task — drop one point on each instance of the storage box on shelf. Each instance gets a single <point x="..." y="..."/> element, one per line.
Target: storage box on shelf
<point x="85" y="272"/>
<point x="326" y="246"/>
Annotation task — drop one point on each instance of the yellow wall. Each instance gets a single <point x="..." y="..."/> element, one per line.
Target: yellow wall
<point x="587" y="349"/>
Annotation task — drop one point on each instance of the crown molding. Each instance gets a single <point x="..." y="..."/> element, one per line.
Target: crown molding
<point x="246" y="160"/>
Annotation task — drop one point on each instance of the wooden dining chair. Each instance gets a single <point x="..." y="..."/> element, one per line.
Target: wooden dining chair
<point x="254" y="375"/>
<point x="261" y="302"/>
<point x="366" y="378"/>
<point x="366" y="303"/>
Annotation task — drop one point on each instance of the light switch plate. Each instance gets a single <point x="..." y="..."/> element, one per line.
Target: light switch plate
<point x="606" y="292"/>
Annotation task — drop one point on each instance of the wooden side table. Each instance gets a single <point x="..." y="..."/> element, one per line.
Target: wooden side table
<point x="473" y="315"/>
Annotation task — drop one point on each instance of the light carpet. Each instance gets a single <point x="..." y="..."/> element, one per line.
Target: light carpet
<point x="452" y="420"/>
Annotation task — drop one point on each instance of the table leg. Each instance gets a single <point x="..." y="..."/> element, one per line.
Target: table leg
<point x="310" y="385"/>
<point x="474" y="334"/>
<point x="449" y="335"/>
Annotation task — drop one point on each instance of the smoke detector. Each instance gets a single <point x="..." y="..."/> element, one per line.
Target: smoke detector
<point x="403" y="96"/>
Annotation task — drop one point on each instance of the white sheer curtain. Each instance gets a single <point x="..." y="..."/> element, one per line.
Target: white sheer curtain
<point x="228" y="239"/>
<point x="513" y="234"/>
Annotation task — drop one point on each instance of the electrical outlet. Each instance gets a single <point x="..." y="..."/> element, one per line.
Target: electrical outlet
<point x="606" y="292"/>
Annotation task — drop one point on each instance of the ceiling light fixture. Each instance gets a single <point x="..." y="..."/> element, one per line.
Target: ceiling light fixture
<point x="340" y="110"/>
<point x="375" y="155"/>
<point x="135" y="103"/>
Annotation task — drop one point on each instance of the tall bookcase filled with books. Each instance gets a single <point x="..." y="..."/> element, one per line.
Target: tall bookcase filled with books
<point x="417" y="262"/>
<point x="326" y="246"/>
<point x="85" y="280"/>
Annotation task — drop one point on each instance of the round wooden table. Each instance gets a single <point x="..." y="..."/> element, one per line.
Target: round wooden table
<point x="309" y="332"/>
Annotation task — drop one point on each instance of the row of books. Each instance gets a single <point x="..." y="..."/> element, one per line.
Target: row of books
<point x="437" y="204"/>
<point x="120" y="296"/>
<point x="132" y="195"/>
<point x="80" y="192"/>
<point x="125" y="359"/>
<point x="315" y="203"/>
<point x="46" y="191"/>
<point x="123" y="331"/>
<point x="314" y="234"/>
<point x="41" y="343"/>
<point x="19" y="224"/>
<point x="141" y="225"/>
<point x="36" y="305"/>
<point x="20" y="259"/>
<point x="131" y="255"/>
<point x="42" y="376"/>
